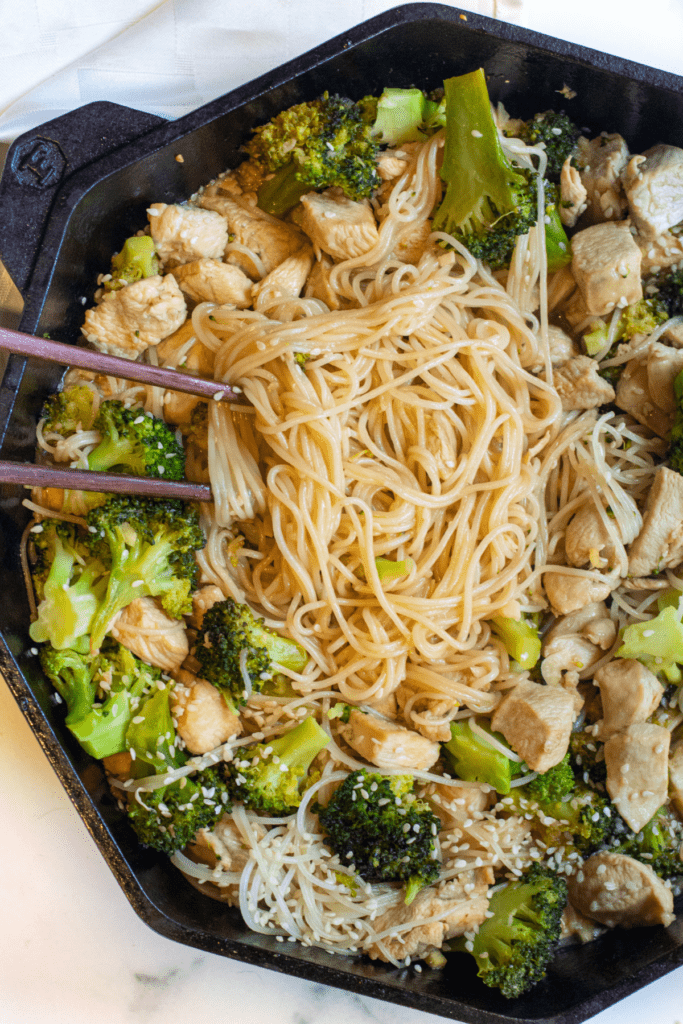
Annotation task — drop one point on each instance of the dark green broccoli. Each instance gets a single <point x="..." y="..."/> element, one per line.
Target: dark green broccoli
<point x="136" y="260"/>
<point x="148" y="546"/>
<point x="488" y="203"/>
<point x="559" y="135"/>
<point x="316" y="145"/>
<point x="69" y="584"/>
<point x="670" y="290"/>
<point x="587" y="756"/>
<point x="675" y="453"/>
<point x="99" y="727"/>
<point x="475" y="760"/>
<point x="70" y="410"/>
<point x="584" y="821"/>
<point x="238" y="653"/>
<point x="514" y="946"/>
<point x="167" y="818"/>
<point x="135" y="442"/>
<point x="658" y="843"/>
<point x="377" y="826"/>
<point x="271" y="777"/>
<point x="553" y="785"/>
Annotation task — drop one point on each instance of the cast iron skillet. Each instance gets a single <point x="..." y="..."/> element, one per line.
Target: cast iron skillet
<point x="72" y="190"/>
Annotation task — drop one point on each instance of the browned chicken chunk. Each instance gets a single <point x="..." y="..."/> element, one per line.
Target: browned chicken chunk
<point x="637" y="762"/>
<point x="536" y="721"/>
<point x="618" y="890"/>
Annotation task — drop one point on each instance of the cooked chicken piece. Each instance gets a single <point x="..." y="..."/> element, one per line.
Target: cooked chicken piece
<point x="390" y="165"/>
<point x="384" y="705"/>
<point x="659" y="545"/>
<point x="569" y="593"/>
<point x="203" y="599"/>
<point x="224" y="846"/>
<point x="184" y="351"/>
<point x="456" y="802"/>
<point x="214" y="281"/>
<point x="634" y="396"/>
<point x="287" y="280"/>
<point x="204" y="719"/>
<point x="586" y="540"/>
<point x="676" y="775"/>
<point x="629" y="692"/>
<point x="146" y="630"/>
<point x="430" y="714"/>
<point x="573" y="194"/>
<point x="318" y="284"/>
<point x="653" y="184"/>
<point x="184" y="233"/>
<point x="270" y="239"/>
<point x="577" y="927"/>
<point x="606" y="265"/>
<point x="131" y="319"/>
<point x="184" y="347"/>
<point x="637" y="762"/>
<point x="387" y="744"/>
<point x="561" y="346"/>
<point x="536" y="721"/>
<point x="576" y="311"/>
<point x="660" y="252"/>
<point x="414" y="243"/>
<point x="337" y="225"/>
<point x="463" y="902"/>
<point x="674" y="334"/>
<point x="618" y="890"/>
<point x="580" y="385"/>
<point x="601" y="161"/>
<point x="664" y="363"/>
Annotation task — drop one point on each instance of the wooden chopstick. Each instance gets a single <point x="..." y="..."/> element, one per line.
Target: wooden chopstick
<point x="30" y="475"/>
<point x="98" y="362"/>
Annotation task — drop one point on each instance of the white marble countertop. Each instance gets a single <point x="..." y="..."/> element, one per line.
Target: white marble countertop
<point x="72" y="951"/>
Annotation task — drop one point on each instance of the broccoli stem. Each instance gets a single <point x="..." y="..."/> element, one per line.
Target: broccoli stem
<point x="520" y="638"/>
<point x="279" y="194"/>
<point x="475" y="760"/>
<point x="557" y="245"/>
<point x="400" y="113"/>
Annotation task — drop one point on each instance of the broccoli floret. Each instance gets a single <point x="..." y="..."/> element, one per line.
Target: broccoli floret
<point x="657" y="844"/>
<point x="641" y="317"/>
<point x="583" y="820"/>
<point x="675" y="453"/>
<point x="271" y="777"/>
<point x="70" y="410"/>
<point x="558" y="133"/>
<point x="488" y="203"/>
<point x="167" y="819"/>
<point x="514" y="946"/>
<point x="587" y="757"/>
<point x="475" y="760"/>
<point x="400" y="117"/>
<point x="670" y="290"/>
<point x="136" y="443"/>
<point x="521" y="639"/>
<point x="149" y="547"/>
<point x="100" y="728"/>
<point x="316" y="145"/>
<point x="657" y="643"/>
<point x="235" y="647"/>
<point x="557" y="782"/>
<point x="378" y="826"/>
<point x="69" y="583"/>
<point x="136" y="260"/>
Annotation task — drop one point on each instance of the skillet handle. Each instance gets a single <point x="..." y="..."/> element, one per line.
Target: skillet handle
<point x="41" y="160"/>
